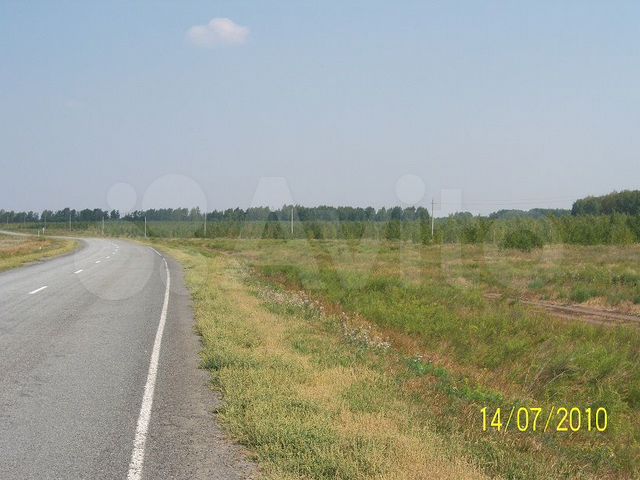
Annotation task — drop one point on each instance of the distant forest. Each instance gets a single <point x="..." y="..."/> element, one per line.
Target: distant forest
<point x="625" y="202"/>
<point x="302" y="214"/>
<point x="608" y="219"/>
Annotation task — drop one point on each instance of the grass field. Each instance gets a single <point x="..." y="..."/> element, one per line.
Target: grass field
<point x="20" y="250"/>
<point x="607" y="276"/>
<point x="356" y="360"/>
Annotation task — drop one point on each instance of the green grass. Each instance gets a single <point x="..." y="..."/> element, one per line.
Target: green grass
<point x="310" y="399"/>
<point x="452" y="351"/>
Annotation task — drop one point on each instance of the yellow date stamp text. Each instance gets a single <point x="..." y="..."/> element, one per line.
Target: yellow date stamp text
<point x="538" y="419"/>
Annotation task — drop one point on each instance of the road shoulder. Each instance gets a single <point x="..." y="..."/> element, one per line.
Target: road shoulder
<point x="185" y="440"/>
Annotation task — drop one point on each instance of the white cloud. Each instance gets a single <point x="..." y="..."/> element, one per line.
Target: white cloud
<point x="219" y="31"/>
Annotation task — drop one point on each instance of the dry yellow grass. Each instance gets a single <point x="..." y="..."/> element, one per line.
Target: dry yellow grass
<point x="305" y="400"/>
<point x="20" y="250"/>
<point x="456" y="351"/>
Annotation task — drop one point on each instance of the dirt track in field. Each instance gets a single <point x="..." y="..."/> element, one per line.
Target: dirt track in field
<point x="599" y="316"/>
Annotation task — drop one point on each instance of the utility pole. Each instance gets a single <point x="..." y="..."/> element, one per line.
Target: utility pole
<point x="432" y="224"/>
<point x="145" y="226"/>
<point x="103" y="225"/>
<point x="292" y="220"/>
<point x="205" y="224"/>
<point x="69" y="221"/>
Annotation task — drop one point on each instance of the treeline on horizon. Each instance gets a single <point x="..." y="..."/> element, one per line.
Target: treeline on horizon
<point x="301" y="213"/>
<point x="609" y="219"/>
<point x="322" y="213"/>
<point x="626" y="202"/>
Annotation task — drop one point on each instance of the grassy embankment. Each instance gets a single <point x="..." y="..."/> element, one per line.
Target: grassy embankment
<point x="16" y="251"/>
<point x="311" y="387"/>
<point x="310" y="401"/>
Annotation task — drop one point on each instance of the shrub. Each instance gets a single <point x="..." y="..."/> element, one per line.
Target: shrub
<point x="392" y="230"/>
<point x="522" y="239"/>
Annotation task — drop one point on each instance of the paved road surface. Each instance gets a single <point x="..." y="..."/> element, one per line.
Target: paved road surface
<point x="76" y="361"/>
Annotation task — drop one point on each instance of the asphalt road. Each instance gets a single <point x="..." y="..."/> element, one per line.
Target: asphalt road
<point x="81" y="396"/>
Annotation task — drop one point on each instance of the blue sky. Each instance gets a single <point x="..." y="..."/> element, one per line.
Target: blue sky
<point x="482" y="105"/>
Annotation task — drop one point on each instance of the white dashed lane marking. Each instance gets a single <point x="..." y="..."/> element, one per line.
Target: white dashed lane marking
<point x="37" y="290"/>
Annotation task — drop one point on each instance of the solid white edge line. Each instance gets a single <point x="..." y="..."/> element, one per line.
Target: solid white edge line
<point x="37" y="290"/>
<point x="78" y="271"/>
<point x="137" y="456"/>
